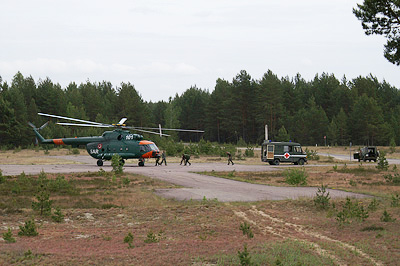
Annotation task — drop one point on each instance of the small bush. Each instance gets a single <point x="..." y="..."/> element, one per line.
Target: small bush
<point x="244" y="256"/>
<point x="312" y="155"/>
<point x="8" y="237"/>
<point x="372" y="228"/>
<point x="395" y="200"/>
<point x="393" y="179"/>
<point x="43" y="203"/>
<point x="129" y="240"/>
<point x="296" y="177"/>
<point x="117" y="164"/>
<point x="58" y="217"/>
<point x="382" y="162"/>
<point x="373" y="205"/>
<point x="29" y="229"/>
<point x="387" y="217"/>
<point x="352" y="210"/>
<point x="321" y="199"/>
<point x="245" y="227"/>
<point x="153" y="238"/>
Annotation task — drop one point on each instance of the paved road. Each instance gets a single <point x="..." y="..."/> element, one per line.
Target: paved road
<point x="194" y="186"/>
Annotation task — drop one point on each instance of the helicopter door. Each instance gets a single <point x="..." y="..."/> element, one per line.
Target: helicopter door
<point x="270" y="152"/>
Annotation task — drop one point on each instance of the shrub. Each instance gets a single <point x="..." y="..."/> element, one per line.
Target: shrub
<point x="244" y="256"/>
<point x="2" y="178"/>
<point x="153" y="238"/>
<point x="249" y="152"/>
<point x="8" y="237"/>
<point x="29" y="229"/>
<point x="352" y="210"/>
<point x="117" y="163"/>
<point x="296" y="177"/>
<point x="312" y="155"/>
<point x="387" y="217"/>
<point x="382" y="162"/>
<point x="43" y="203"/>
<point x="245" y="227"/>
<point x="321" y="199"/>
<point x="394" y="179"/>
<point x="58" y="217"/>
<point x="395" y="200"/>
<point x="129" y="239"/>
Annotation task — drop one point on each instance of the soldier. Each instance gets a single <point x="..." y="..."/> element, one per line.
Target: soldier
<point x="229" y="158"/>
<point x="187" y="158"/>
<point x="183" y="158"/>
<point x="158" y="160"/>
<point x="163" y="159"/>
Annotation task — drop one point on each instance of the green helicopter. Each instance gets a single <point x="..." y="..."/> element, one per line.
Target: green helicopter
<point x="119" y="141"/>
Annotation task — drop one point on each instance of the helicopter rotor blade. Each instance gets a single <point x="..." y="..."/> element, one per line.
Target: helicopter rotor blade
<point x="32" y="125"/>
<point x="173" y="129"/>
<point x="72" y="119"/>
<point x="83" y="125"/>
<point x="146" y="131"/>
<point x="44" y="125"/>
<point x="122" y="121"/>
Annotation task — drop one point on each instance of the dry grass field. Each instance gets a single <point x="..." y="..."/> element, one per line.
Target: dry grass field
<point x="100" y="210"/>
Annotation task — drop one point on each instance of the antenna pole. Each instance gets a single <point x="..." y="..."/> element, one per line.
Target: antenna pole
<point x="266" y="132"/>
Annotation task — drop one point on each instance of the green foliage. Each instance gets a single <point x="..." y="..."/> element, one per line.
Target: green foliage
<point x="43" y="203"/>
<point x="245" y="228"/>
<point x="352" y="210"/>
<point x="29" y="229"/>
<point x="321" y="199"/>
<point x="393" y="179"/>
<point x="296" y="177"/>
<point x="244" y="256"/>
<point x="129" y="240"/>
<point x="312" y="155"/>
<point x="154" y="238"/>
<point x="58" y="216"/>
<point x="387" y="217"/>
<point x="395" y="200"/>
<point x="2" y="178"/>
<point x="249" y="152"/>
<point x="381" y="17"/>
<point x="373" y="205"/>
<point x="8" y="237"/>
<point x="117" y="164"/>
<point x="372" y="228"/>
<point x="382" y="162"/>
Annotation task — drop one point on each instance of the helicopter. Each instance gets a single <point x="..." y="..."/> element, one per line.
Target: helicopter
<point x="118" y="141"/>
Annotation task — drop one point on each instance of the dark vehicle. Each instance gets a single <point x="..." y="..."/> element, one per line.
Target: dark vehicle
<point x="370" y="153"/>
<point x="282" y="152"/>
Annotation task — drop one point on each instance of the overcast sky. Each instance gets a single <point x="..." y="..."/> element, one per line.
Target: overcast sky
<point x="165" y="47"/>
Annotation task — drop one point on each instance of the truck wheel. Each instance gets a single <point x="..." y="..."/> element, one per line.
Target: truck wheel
<point x="276" y="162"/>
<point x="99" y="162"/>
<point x="301" y="162"/>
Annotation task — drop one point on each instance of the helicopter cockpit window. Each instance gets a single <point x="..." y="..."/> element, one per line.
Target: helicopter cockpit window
<point x="142" y="148"/>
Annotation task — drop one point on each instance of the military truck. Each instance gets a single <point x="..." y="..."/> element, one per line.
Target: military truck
<point x="282" y="152"/>
<point x="368" y="153"/>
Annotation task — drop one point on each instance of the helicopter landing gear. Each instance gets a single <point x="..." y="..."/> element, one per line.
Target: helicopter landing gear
<point x="141" y="162"/>
<point x="99" y="162"/>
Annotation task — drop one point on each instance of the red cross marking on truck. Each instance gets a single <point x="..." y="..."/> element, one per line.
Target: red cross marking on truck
<point x="286" y="155"/>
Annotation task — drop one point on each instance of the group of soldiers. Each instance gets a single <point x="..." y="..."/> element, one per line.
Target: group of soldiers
<point x="185" y="159"/>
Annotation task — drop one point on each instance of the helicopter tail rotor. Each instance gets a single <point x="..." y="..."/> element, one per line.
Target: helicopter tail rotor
<point x="38" y="129"/>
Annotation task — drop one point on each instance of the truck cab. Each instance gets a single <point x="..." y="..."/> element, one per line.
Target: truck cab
<point x="282" y="152"/>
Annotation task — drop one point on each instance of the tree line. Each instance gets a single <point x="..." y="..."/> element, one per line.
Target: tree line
<point x="363" y="111"/>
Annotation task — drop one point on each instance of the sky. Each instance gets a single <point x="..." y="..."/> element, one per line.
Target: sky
<point x="165" y="47"/>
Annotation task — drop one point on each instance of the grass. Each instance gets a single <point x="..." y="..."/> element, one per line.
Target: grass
<point x="196" y="232"/>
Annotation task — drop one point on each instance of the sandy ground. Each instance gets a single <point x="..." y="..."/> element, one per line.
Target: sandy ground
<point x="194" y="186"/>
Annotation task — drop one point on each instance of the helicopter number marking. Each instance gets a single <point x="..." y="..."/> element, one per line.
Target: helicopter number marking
<point x="94" y="151"/>
<point x="129" y="137"/>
